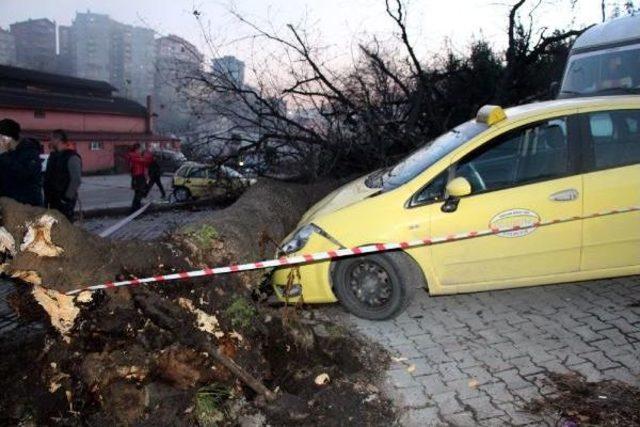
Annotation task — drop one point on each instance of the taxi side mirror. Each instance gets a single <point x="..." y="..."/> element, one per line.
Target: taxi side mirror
<point x="456" y="188"/>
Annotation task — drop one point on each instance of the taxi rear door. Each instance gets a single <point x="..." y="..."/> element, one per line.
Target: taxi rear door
<point x="612" y="181"/>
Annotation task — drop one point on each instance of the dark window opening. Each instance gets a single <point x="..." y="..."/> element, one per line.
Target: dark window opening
<point x="615" y="136"/>
<point x="535" y="153"/>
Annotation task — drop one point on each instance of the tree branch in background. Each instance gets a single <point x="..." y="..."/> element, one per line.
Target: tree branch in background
<point x="310" y="118"/>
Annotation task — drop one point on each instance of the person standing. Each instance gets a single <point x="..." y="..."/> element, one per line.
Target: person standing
<point x="20" y="165"/>
<point x="63" y="175"/>
<point x="155" y="177"/>
<point x="139" y="162"/>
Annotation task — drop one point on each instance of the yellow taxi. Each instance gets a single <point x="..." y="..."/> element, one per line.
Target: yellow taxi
<point x="536" y="162"/>
<point x="195" y="180"/>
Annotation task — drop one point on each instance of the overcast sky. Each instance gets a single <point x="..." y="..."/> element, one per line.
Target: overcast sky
<point x="336" y="24"/>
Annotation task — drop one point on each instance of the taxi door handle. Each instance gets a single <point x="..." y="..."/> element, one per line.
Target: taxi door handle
<point x="565" y="195"/>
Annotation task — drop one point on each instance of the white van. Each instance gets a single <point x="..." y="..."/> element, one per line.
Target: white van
<point x="605" y="60"/>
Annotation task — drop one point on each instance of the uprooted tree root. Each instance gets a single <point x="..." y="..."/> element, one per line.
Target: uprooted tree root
<point x="167" y="354"/>
<point x="125" y="365"/>
<point x="582" y="403"/>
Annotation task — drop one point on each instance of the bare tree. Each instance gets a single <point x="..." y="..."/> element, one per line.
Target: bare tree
<point x="526" y="46"/>
<point x="326" y="120"/>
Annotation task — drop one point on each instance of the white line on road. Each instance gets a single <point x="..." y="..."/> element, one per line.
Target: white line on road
<point x="118" y="225"/>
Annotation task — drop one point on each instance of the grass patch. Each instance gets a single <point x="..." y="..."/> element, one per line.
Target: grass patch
<point x="241" y="313"/>
<point x="210" y="410"/>
<point x="203" y="235"/>
<point x="337" y="331"/>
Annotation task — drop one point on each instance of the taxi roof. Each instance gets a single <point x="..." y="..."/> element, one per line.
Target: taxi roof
<point x="550" y="107"/>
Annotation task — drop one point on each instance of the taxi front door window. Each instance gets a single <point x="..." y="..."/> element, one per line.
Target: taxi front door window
<point x="522" y="156"/>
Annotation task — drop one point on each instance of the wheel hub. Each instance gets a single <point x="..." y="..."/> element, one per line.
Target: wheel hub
<point x="370" y="283"/>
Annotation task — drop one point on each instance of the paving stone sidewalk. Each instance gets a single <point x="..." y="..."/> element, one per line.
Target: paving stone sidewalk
<point x="475" y="359"/>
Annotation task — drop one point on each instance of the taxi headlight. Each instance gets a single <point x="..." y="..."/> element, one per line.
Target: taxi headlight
<point x="299" y="239"/>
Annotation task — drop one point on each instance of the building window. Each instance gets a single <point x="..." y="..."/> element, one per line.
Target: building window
<point x="39" y="114"/>
<point x="96" y="146"/>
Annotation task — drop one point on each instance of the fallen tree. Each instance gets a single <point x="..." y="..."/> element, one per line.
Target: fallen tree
<point x="177" y="353"/>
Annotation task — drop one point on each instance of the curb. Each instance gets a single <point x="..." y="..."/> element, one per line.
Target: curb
<point x="155" y="207"/>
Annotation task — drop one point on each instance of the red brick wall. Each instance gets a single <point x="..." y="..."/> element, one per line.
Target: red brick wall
<point x="95" y="160"/>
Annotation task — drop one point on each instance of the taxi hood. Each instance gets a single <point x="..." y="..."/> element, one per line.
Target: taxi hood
<point x="344" y="196"/>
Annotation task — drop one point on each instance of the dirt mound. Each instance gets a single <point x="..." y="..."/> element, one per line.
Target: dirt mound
<point x="250" y="228"/>
<point x="578" y="402"/>
<point x="194" y="352"/>
<point x="83" y="257"/>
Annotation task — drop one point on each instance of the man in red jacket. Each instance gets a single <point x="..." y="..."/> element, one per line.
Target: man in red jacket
<point x="139" y="163"/>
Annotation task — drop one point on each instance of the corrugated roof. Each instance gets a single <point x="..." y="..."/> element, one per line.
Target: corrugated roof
<point x="15" y="98"/>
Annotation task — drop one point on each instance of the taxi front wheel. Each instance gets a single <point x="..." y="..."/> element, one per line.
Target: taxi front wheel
<point x="377" y="286"/>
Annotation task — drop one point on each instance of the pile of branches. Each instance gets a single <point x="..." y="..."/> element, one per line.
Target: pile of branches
<point x="340" y="122"/>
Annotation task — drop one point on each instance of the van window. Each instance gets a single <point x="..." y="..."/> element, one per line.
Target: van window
<point x="521" y="156"/>
<point x="615" y="136"/>
<point x="610" y="71"/>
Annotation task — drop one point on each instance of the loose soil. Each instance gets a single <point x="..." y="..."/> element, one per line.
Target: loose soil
<point x="145" y="355"/>
<point x="123" y="367"/>
<point x="582" y="403"/>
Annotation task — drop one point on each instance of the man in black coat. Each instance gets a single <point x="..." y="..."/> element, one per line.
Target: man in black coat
<point x="63" y="176"/>
<point x="20" y="166"/>
<point x="155" y="177"/>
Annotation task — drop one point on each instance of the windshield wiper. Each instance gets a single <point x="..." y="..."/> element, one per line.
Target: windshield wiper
<point x="623" y="90"/>
<point x="572" y="92"/>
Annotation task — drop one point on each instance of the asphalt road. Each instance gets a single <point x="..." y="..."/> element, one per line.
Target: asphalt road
<point x="112" y="191"/>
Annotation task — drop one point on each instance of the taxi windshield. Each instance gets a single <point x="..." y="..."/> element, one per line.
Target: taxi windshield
<point x="424" y="157"/>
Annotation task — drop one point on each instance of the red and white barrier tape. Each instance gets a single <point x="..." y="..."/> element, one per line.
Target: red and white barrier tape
<point x="341" y="253"/>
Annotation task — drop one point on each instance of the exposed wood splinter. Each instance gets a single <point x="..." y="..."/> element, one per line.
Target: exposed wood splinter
<point x="38" y="238"/>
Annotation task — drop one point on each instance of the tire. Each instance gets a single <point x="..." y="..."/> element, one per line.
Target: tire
<point x="182" y="194"/>
<point x="378" y="286"/>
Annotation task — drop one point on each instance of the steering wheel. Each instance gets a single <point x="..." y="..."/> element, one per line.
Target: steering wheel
<point x="474" y="177"/>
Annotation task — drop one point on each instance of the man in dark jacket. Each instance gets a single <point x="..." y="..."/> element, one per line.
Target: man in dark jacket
<point x="63" y="175"/>
<point x="155" y="177"/>
<point x="20" y="167"/>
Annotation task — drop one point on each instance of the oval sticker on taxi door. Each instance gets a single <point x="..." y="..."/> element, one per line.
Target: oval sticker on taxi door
<point x="513" y="218"/>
